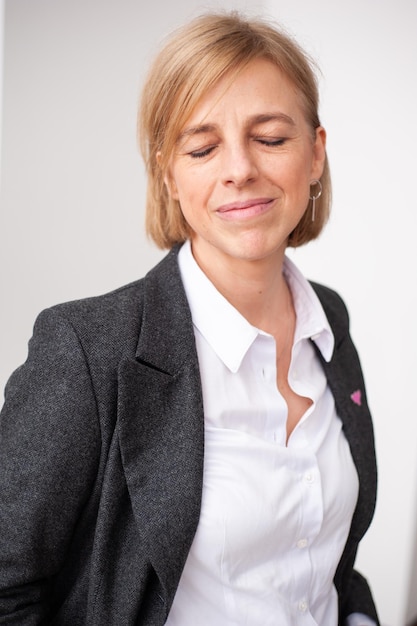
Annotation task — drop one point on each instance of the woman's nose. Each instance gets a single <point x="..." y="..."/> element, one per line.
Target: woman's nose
<point x="238" y="166"/>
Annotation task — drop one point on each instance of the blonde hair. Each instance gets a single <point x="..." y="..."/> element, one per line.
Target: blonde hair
<point x="194" y="58"/>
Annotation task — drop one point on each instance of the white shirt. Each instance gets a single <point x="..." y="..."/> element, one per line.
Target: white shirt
<point x="275" y="516"/>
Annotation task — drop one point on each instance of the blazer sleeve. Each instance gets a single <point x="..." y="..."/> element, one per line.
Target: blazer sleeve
<point x="358" y="599"/>
<point x="49" y="451"/>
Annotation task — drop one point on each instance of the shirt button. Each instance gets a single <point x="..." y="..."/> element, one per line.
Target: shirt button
<point x="303" y="606"/>
<point x="302" y="543"/>
<point x="309" y="478"/>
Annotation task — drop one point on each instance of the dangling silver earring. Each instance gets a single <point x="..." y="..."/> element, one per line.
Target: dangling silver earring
<point x="315" y="197"/>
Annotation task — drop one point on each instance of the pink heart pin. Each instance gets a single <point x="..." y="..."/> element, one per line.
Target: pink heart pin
<point x="356" y="397"/>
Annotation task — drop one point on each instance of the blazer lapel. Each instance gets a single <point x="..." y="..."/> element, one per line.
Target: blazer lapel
<point x="161" y="425"/>
<point x="345" y="378"/>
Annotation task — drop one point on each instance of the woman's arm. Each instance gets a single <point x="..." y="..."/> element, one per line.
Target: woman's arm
<point x="49" y="450"/>
<point x="354" y="593"/>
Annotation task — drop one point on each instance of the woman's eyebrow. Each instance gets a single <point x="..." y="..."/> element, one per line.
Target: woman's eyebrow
<point x="196" y="130"/>
<point x="263" y="118"/>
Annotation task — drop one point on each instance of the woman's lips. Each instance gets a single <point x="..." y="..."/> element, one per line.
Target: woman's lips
<point x="246" y="209"/>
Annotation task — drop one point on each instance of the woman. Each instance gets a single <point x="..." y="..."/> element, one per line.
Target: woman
<point x="196" y="447"/>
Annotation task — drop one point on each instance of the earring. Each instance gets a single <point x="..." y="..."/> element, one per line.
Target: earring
<point x="315" y="197"/>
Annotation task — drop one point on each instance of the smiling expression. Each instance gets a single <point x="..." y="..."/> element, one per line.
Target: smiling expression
<point x="243" y="165"/>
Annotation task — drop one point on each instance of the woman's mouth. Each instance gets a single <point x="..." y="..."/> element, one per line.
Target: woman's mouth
<point x="244" y="209"/>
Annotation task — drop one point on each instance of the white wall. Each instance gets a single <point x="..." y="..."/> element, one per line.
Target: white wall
<point x="1" y="71"/>
<point x="73" y="189"/>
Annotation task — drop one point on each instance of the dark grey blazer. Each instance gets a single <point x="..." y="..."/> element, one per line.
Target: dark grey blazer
<point x="101" y="458"/>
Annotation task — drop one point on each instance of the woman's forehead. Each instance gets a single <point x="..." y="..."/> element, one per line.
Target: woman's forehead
<point x="258" y="92"/>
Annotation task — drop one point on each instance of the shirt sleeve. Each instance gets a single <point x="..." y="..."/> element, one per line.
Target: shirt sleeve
<point x="358" y="619"/>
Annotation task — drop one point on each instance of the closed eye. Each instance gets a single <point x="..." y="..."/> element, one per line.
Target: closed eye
<point x="270" y="142"/>
<point x="199" y="154"/>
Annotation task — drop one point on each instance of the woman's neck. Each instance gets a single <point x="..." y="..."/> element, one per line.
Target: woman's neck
<point x="256" y="288"/>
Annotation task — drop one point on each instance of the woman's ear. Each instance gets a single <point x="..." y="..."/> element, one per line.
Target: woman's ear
<point x="168" y="179"/>
<point x="171" y="186"/>
<point x="319" y="153"/>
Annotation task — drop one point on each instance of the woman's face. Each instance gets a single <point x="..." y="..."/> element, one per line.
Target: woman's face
<point x="243" y="165"/>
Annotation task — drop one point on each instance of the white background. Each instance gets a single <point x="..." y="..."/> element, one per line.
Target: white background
<point x="71" y="221"/>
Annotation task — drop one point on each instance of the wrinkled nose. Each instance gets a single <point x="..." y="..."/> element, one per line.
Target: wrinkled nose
<point x="238" y="166"/>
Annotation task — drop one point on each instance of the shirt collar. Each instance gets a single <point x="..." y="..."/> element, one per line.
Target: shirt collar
<point x="312" y="322"/>
<point x="228" y="333"/>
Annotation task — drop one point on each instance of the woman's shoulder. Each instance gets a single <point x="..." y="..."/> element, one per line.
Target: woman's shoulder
<point x="111" y="318"/>
<point x="113" y="305"/>
<point x="104" y="310"/>
<point x="105" y="326"/>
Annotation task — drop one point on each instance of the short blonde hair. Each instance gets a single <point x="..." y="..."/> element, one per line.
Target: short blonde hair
<point x="193" y="59"/>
